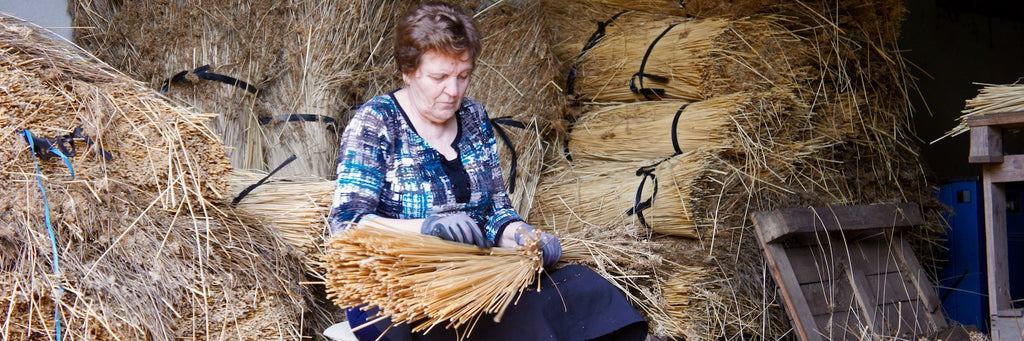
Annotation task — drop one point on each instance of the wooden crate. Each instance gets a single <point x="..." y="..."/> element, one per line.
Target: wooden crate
<point x="846" y="273"/>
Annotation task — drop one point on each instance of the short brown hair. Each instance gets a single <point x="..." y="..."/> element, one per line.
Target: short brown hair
<point x="434" y="27"/>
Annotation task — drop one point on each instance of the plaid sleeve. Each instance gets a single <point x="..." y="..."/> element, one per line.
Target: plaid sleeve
<point x="360" y="174"/>
<point x="501" y="206"/>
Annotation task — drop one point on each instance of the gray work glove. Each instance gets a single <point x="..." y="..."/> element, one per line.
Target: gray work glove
<point x="457" y="227"/>
<point x="550" y="246"/>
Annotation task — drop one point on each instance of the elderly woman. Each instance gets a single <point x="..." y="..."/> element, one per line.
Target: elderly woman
<point x="424" y="159"/>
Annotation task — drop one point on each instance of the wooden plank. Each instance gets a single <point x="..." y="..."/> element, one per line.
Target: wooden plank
<point x="986" y="145"/>
<point x="867" y="304"/>
<point x="1009" y="118"/>
<point x="778" y="224"/>
<point x="914" y="272"/>
<point x="1007" y="328"/>
<point x="813" y="264"/>
<point x="892" y="288"/>
<point x="843" y="325"/>
<point x="828" y="297"/>
<point x="795" y="303"/>
<point x="995" y="245"/>
<point x="877" y="253"/>
<point x="1010" y="170"/>
<point x="906" y="319"/>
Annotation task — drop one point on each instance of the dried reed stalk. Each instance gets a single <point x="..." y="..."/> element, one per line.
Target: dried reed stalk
<point x="643" y="130"/>
<point x="415" y="278"/>
<point x="602" y="194"/>
<point x="991" y="98"/>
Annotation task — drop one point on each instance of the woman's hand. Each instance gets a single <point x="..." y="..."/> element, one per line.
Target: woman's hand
<point x="457" y="227"/>
<point x="550" y="246"/>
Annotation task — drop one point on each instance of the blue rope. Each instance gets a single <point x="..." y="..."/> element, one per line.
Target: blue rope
<point x="49" y="225"/>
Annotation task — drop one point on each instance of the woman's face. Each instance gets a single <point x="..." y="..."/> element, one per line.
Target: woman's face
<point x="436" y="87"/>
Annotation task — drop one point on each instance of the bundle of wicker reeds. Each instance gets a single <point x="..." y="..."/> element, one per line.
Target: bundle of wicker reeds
<point x="424" y="280"/>
<point x="655" y="194"/>
<point x="655" y="129"/>
<point x="124" y="239"/>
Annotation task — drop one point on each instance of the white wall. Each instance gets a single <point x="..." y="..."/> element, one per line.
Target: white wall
<point x="52" y="14"/>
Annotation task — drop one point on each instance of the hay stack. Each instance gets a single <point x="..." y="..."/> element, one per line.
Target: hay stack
<point x="142" y="251"/>
<point x="603" y="194"/>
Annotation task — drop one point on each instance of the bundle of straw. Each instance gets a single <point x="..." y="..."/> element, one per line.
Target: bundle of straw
<point x="323" y="74"/>
<point x="643" y="130"/>
<point x="133" y="245"/>
<point x="609" y="193"/>
<point x="153" y="41"/>
<point x="991" y="98"/>
<point x="691" y="60"/>
<point x="296" y="208"/>
<point x="415" y="278"/>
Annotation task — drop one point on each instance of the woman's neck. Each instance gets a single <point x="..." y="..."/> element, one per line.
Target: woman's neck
<point x="440" y="135"/>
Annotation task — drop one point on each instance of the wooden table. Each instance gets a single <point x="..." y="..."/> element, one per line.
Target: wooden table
<point x="987" y="130"/>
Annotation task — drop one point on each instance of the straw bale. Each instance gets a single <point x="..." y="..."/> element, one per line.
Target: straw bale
<point x="643" y="130"/>
<point x="584" y="195"/>
<point x="143" y="250"/>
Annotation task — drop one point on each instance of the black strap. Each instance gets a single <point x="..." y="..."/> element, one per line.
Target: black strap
<point x="246" y="191"/>
<point x="648" y="93"/>
<point x="65" y="144"/>
<point x="675" y="125"/>
<point x="497" y="122"/>
<point x="591" y="42"/>
<point x="639" y="206"/>
<point x="203" y="72"/>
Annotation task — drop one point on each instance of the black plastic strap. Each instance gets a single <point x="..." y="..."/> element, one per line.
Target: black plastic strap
<point x="648" y="93"/>
<point x="570" y="81"/>
<point x="639" y="206"/>
<point x="675" y="125"/>
<point x="65" y="144"/>
<point x="497" y="122"/>
<point x="329" y="122"/>
<point x="246" y="191"/>
<point x="203" y="72"/>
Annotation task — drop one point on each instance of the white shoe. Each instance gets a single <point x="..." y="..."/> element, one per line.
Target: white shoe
<point x="340" y="332"/>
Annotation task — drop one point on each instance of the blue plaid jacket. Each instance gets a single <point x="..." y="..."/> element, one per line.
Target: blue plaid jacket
<point x="386" y="168"/>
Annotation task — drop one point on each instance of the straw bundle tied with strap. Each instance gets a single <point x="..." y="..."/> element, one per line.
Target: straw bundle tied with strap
<point x="652" y="58"/>
<point x="655" y="194"/>
<point x="651" y="130"/>
<point x="424" y="280"/>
